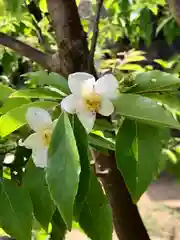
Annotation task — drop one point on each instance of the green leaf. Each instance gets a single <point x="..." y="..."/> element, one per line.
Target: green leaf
<point x="13" y="103"/>
<point x="96" y="140"/>
<point x="163" y="22"/>
<point x="43" y="6"/>
<point x="103" y="125"/>
<point x="145" y="25"/>
<point x="59" y="81"/>
<point x="16" y="210"/>
<point x="36" y="93"/>
<point x="144" y="109"/>
<point x="96" y="217"/>
<point x="138" y="150"/>
<point x="154" y="80"/>
<point x="164" y="64"/>
<point x="52" y="79"/>
<point x="130" y="67"/>
<point x="5" y="91"/>
<point x="171" y="100"/>
<point x="63" y="168"/>
<point x="82" y="145"/>
<point x="171" y="155"/>
<point x="134" y="58"/>
<point x="13" y="7"/>
<point x="34" y="182"/>
<point x="58" y="227"/>
<point x="15" y="118"/>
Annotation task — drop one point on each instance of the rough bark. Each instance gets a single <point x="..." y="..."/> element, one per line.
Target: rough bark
<point x="70" y="36"/>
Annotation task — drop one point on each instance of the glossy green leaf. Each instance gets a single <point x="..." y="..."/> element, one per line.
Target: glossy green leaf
<point x="43" y="5"/>
<point x="155" y="80"/>
<point x="134" y="58"/>
<point x="144" y="109"/>
<point x="59" y="228"/>
<point x="131" y="67"/>
<point x="44" y="208"/>
<point x="52" y="79"/>
<point x="15" y="118"/>
<point x="96" y="217"/>
<point x="5" y="91"/>
<point x="16" y="210"/>
<point x="82" y="145"/>
<point x="171" y="100"/>
<point x="63" y="168"/>
<point x="138" y="150"/>
<point x="13" y="103"/>
<point x="36" y="93"/>
<point x="164" y="64"/>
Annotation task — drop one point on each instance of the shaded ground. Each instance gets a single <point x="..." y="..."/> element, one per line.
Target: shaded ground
<point x="160" y="210"/>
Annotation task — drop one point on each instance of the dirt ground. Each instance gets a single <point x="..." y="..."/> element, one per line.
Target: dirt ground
<point x="160" y="210"/>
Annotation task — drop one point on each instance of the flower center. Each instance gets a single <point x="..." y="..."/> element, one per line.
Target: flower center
<point x="47" y="136"/>
<point x="92" y="102"/>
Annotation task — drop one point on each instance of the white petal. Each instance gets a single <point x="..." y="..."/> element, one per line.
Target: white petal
<point x="87" y="119"/>
<point x="87" y="87"/>
<point x="107" y="86"/>
<point x="106" y="107"/>
<point x="38" y="118"/>
<point x="69" y="103"/>
<point x="34" y="141"/>
<point x="76" y="80"/>
<point x="40" y="157"/>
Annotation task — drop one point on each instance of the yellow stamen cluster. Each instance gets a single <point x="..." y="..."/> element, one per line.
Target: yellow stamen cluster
<point x="47" y="136"/>
<point x="92" y="102"/>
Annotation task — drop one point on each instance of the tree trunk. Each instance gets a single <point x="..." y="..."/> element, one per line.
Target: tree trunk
<point x="126" y="218"/>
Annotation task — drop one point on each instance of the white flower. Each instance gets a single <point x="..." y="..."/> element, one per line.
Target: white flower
<point x="40" y="121"/>
<point x="90" y="97"/>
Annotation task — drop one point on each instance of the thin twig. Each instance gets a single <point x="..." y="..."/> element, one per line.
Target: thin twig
<point x="95" y="36"/>
<point x="40" y="35"/>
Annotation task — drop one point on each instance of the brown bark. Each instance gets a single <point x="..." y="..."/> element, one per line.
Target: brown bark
<point x="70" y="36"/>
<point x="126" y="218"/>
<point x="174" y="6"/>
<point x="23" y="49"/>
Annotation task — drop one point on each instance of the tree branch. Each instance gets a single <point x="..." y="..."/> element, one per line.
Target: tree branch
<point x="40" y="36"/>
<point x="95" y="35"/>
<point x="25" y="50"/>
